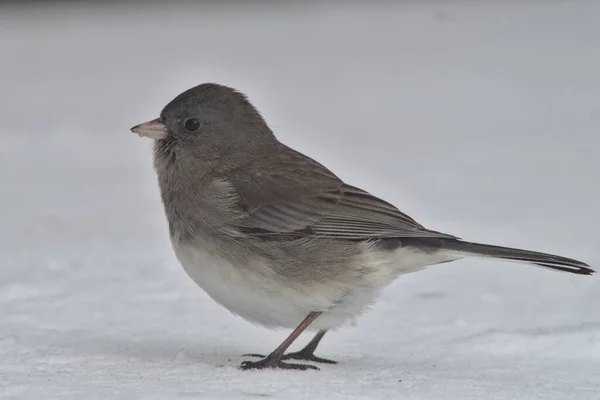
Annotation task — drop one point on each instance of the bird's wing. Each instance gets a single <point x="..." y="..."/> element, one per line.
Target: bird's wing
<point x="286" y="193"/>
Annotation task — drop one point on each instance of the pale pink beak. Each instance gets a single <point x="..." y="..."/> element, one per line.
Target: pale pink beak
<point x="155" y="129"/>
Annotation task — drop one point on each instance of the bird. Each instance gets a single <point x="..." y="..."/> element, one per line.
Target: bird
<point x="277" y="238"/>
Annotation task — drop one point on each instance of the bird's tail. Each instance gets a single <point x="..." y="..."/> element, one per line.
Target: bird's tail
<point x="462" y="249"/>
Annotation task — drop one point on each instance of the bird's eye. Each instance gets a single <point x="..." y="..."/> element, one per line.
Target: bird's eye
<point x="192" y="124"/>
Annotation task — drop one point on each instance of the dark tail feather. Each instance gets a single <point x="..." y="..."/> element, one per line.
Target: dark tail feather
<point x="469" y="249"/>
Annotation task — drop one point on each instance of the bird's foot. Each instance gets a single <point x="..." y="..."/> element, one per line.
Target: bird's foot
<point x="271" y="363"/>
<point x="307" y="356"/>
<point x="299" y="355"/>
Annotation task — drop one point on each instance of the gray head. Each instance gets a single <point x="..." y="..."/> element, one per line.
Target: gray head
<point x="210" y="121"/>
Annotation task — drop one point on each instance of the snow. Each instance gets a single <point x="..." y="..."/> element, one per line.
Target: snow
<point x="479" y="119"/>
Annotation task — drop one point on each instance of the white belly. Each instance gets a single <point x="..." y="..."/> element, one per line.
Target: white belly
<point x="265" y="300"/>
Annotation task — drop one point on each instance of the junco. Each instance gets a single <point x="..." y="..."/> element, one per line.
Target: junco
<point x="277" y="238"/>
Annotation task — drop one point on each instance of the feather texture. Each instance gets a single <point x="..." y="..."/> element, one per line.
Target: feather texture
<point x="287" y="192"/>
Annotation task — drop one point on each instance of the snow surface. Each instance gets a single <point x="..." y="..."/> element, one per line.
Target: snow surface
<point x="480" y="119"/>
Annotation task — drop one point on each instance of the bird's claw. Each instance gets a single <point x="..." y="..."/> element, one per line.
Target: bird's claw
<point x="298" y="355"/>
<point x="266" y="363"/>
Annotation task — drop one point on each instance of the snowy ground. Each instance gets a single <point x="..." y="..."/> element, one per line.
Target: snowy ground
<point x="478" y="119"/>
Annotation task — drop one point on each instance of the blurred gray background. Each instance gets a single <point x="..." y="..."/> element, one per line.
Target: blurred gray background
<point x="477" y="118"/>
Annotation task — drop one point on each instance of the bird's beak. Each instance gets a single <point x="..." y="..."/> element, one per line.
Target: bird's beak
<point x="155" y="129"/>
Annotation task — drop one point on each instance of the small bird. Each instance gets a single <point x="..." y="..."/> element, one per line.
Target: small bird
<point x="277" y="238"/>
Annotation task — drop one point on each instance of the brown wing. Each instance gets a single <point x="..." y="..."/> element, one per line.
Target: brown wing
<point x="288" y="193"/>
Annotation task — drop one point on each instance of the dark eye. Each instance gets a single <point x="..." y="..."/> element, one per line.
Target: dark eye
<point x="192" y="124"/>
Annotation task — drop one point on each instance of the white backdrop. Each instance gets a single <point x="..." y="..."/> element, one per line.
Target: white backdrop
<point x="477" y="119"/>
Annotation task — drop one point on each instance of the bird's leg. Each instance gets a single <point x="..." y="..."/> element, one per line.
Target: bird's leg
<point x="308" y="352"/>
<point x="274" y="360"/>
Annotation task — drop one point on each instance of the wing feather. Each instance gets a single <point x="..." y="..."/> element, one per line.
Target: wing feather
<point x="288" y="193"/>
